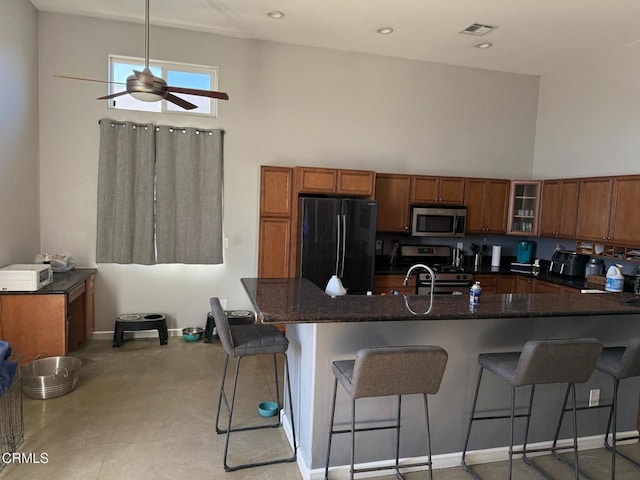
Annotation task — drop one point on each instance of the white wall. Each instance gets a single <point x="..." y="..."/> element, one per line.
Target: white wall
<point x="589" y="117"/>
<point x="19" y="234"/>
<point x="289" y="106"/>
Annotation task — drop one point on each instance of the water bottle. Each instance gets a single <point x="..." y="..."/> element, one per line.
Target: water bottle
<point x="474" y="294"/>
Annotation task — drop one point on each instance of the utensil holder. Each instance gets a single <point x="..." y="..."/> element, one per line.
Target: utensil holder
<point x="477" y="260"/>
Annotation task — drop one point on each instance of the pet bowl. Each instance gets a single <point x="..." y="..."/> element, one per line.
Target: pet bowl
<point x="268" y="409"/>
<point x="192" y="334"/>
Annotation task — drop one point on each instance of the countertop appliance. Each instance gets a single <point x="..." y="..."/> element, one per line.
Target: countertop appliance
<point x="438" y="221"/>
<point x="22" y="277"/>
<point x="524" y="251"/>
<point x="338" y="235"/>
<point x="568" y="263"/>
<point x="449" y="278"/>
<point x="595" y="266"/>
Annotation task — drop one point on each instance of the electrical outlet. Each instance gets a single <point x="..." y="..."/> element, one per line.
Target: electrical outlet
<point x="225" y="242"/>
<point x="223" y="303"/>
<point x="594" y="397"/>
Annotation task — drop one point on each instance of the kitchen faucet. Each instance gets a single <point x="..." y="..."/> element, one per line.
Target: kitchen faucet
<point x="433" y="284"/>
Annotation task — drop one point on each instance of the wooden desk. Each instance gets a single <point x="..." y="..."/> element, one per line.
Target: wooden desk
<point x="51" y="321"/>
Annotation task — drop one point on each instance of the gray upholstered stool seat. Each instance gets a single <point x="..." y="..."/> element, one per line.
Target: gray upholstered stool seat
<point x="385" y="371"/>
<point x="619" y="363"/>
<point x="240" y="341"/>
<point x="540" y="362"/>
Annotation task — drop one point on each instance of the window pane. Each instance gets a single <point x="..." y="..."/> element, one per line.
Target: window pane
<point x="201" y="81"/>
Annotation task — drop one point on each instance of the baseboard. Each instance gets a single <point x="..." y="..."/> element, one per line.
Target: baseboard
<point x="108" y="335"/>
<point x="449" y="460"/>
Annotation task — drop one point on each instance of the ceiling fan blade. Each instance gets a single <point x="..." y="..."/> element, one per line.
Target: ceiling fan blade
<point x="58" y="75"/>
<point x="180" y="102"/>
<point x="145" y="76"/>
<point x="201" y="93"/>
<point x="113" y="95"/>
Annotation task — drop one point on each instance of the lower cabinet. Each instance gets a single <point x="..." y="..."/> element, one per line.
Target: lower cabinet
<point x="540" y="286"/>
<point x="488" y="282"/>
<point x="506" y="284"/>
<point x="388" y="284"/>
<point x="523" y="284"/>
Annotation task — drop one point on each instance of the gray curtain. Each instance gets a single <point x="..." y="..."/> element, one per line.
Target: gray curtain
<point x="188" y="195"/>
<point x="125" y="193"/>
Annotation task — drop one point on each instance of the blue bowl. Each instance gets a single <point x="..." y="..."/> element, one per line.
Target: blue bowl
<point x="268" y="409"/>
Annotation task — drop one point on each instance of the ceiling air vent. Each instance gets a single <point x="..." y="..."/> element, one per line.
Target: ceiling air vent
<point x="478" y="29"/>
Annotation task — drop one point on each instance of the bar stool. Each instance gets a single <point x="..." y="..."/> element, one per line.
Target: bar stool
<point x="540" y="362"/>
<point x="619" y="363"/>
<point x="241" y="341"/>
<point x="384" y="371"/>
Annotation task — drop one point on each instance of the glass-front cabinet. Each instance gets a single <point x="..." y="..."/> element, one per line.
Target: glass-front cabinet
<point x="524" y="207"/>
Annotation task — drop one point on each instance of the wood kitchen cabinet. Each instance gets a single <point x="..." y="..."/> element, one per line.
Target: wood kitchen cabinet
<point x="594" y="208"/>
<point x="392" y="195"/>
<point x="558" y="209"/>
<point x="51" y="321"/>
<point x="335" y="181"/>
<point x="430" y="189"/>
<point x="608" y="210"/>
<point x="275" y="191"/>
<point x="523" y="284"/>
<point x="276" y="210"/>
<point x="487" y="201"/>
<point x="541" y="286"/>
<point x="524" y="207"/>
<point x="625" y="220"/>
<point x="488" y="282"/>
<point x="388" y="284"/>
<point x="506" y="284"/>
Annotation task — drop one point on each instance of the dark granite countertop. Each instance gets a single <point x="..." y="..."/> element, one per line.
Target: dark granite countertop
<point x="63" y="282"/>
<point x="300" y="301"/>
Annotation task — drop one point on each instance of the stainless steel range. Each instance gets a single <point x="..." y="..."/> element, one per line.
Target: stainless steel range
<point x="449" y="279"/>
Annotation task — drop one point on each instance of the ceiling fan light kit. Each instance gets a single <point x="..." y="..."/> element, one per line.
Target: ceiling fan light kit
<point x="145" y="86"/>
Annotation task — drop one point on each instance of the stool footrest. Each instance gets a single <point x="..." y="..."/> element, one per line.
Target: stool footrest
<point x="394" y="467"/>
<point x="367" y="429"/>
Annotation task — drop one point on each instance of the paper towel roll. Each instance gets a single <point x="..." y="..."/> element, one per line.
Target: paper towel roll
<point x="495" y="256"/>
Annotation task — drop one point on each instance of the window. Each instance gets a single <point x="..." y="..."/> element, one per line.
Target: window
<point x="175" y="74"/>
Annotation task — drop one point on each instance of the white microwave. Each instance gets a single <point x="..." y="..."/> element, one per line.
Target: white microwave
<point x="25" y="277"/>
<point x="438" y="221"/>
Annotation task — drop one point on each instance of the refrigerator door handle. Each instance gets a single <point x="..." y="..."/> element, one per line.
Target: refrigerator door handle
<point x="344" y="242"/>
<point x="338" y="245"/>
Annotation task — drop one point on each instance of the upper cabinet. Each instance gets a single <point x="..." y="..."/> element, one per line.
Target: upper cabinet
<point x="276" y="184"/>
<point x="392" y="195"/>
<point x="594" y="208"/>
<point x="559" y="207"/>
<point x="486" y="201"/>
<point x="524" y="207"/>
<point x="335" y="181"/>
<point x="608" y="210"/>
<point x="275" y="191"/>
<point x="445" y="190"/>
<point x="625" y="220"/>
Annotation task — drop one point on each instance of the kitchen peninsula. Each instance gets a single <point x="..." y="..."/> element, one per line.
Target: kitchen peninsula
<point x="322" y="329"/>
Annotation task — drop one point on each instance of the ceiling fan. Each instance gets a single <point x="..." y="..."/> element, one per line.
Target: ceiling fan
<point x="145" y="86"/>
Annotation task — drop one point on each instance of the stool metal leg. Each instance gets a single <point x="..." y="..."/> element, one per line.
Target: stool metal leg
<point x="333" y="412"/>
<point x="398" y="437"/>
<point x="230" y="406"/>
<point x="471" y="418"/>
<point x="353" y="436"/>
<point x="426" y="415"/>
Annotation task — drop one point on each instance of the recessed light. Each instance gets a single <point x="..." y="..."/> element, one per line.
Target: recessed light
<point x="275" y="14"/>
<point x="484" y="45"/>
<point x="385" y="30"/>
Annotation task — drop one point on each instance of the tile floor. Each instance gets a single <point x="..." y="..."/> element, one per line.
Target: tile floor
<point x="145" y="411"/>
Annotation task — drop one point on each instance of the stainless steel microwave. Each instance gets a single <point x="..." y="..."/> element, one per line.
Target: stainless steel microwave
<point x="438" y="221"/>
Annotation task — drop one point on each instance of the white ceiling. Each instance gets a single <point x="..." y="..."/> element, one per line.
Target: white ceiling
<point x="533" y="36"/>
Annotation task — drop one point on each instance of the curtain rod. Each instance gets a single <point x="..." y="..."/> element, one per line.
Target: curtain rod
<point x="157" y="127"/>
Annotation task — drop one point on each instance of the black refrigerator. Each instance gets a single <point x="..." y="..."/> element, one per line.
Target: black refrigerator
<point x="338" y="235"/>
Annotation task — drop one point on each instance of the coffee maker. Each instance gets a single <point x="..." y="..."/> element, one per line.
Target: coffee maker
<point x="524" y="251"/>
